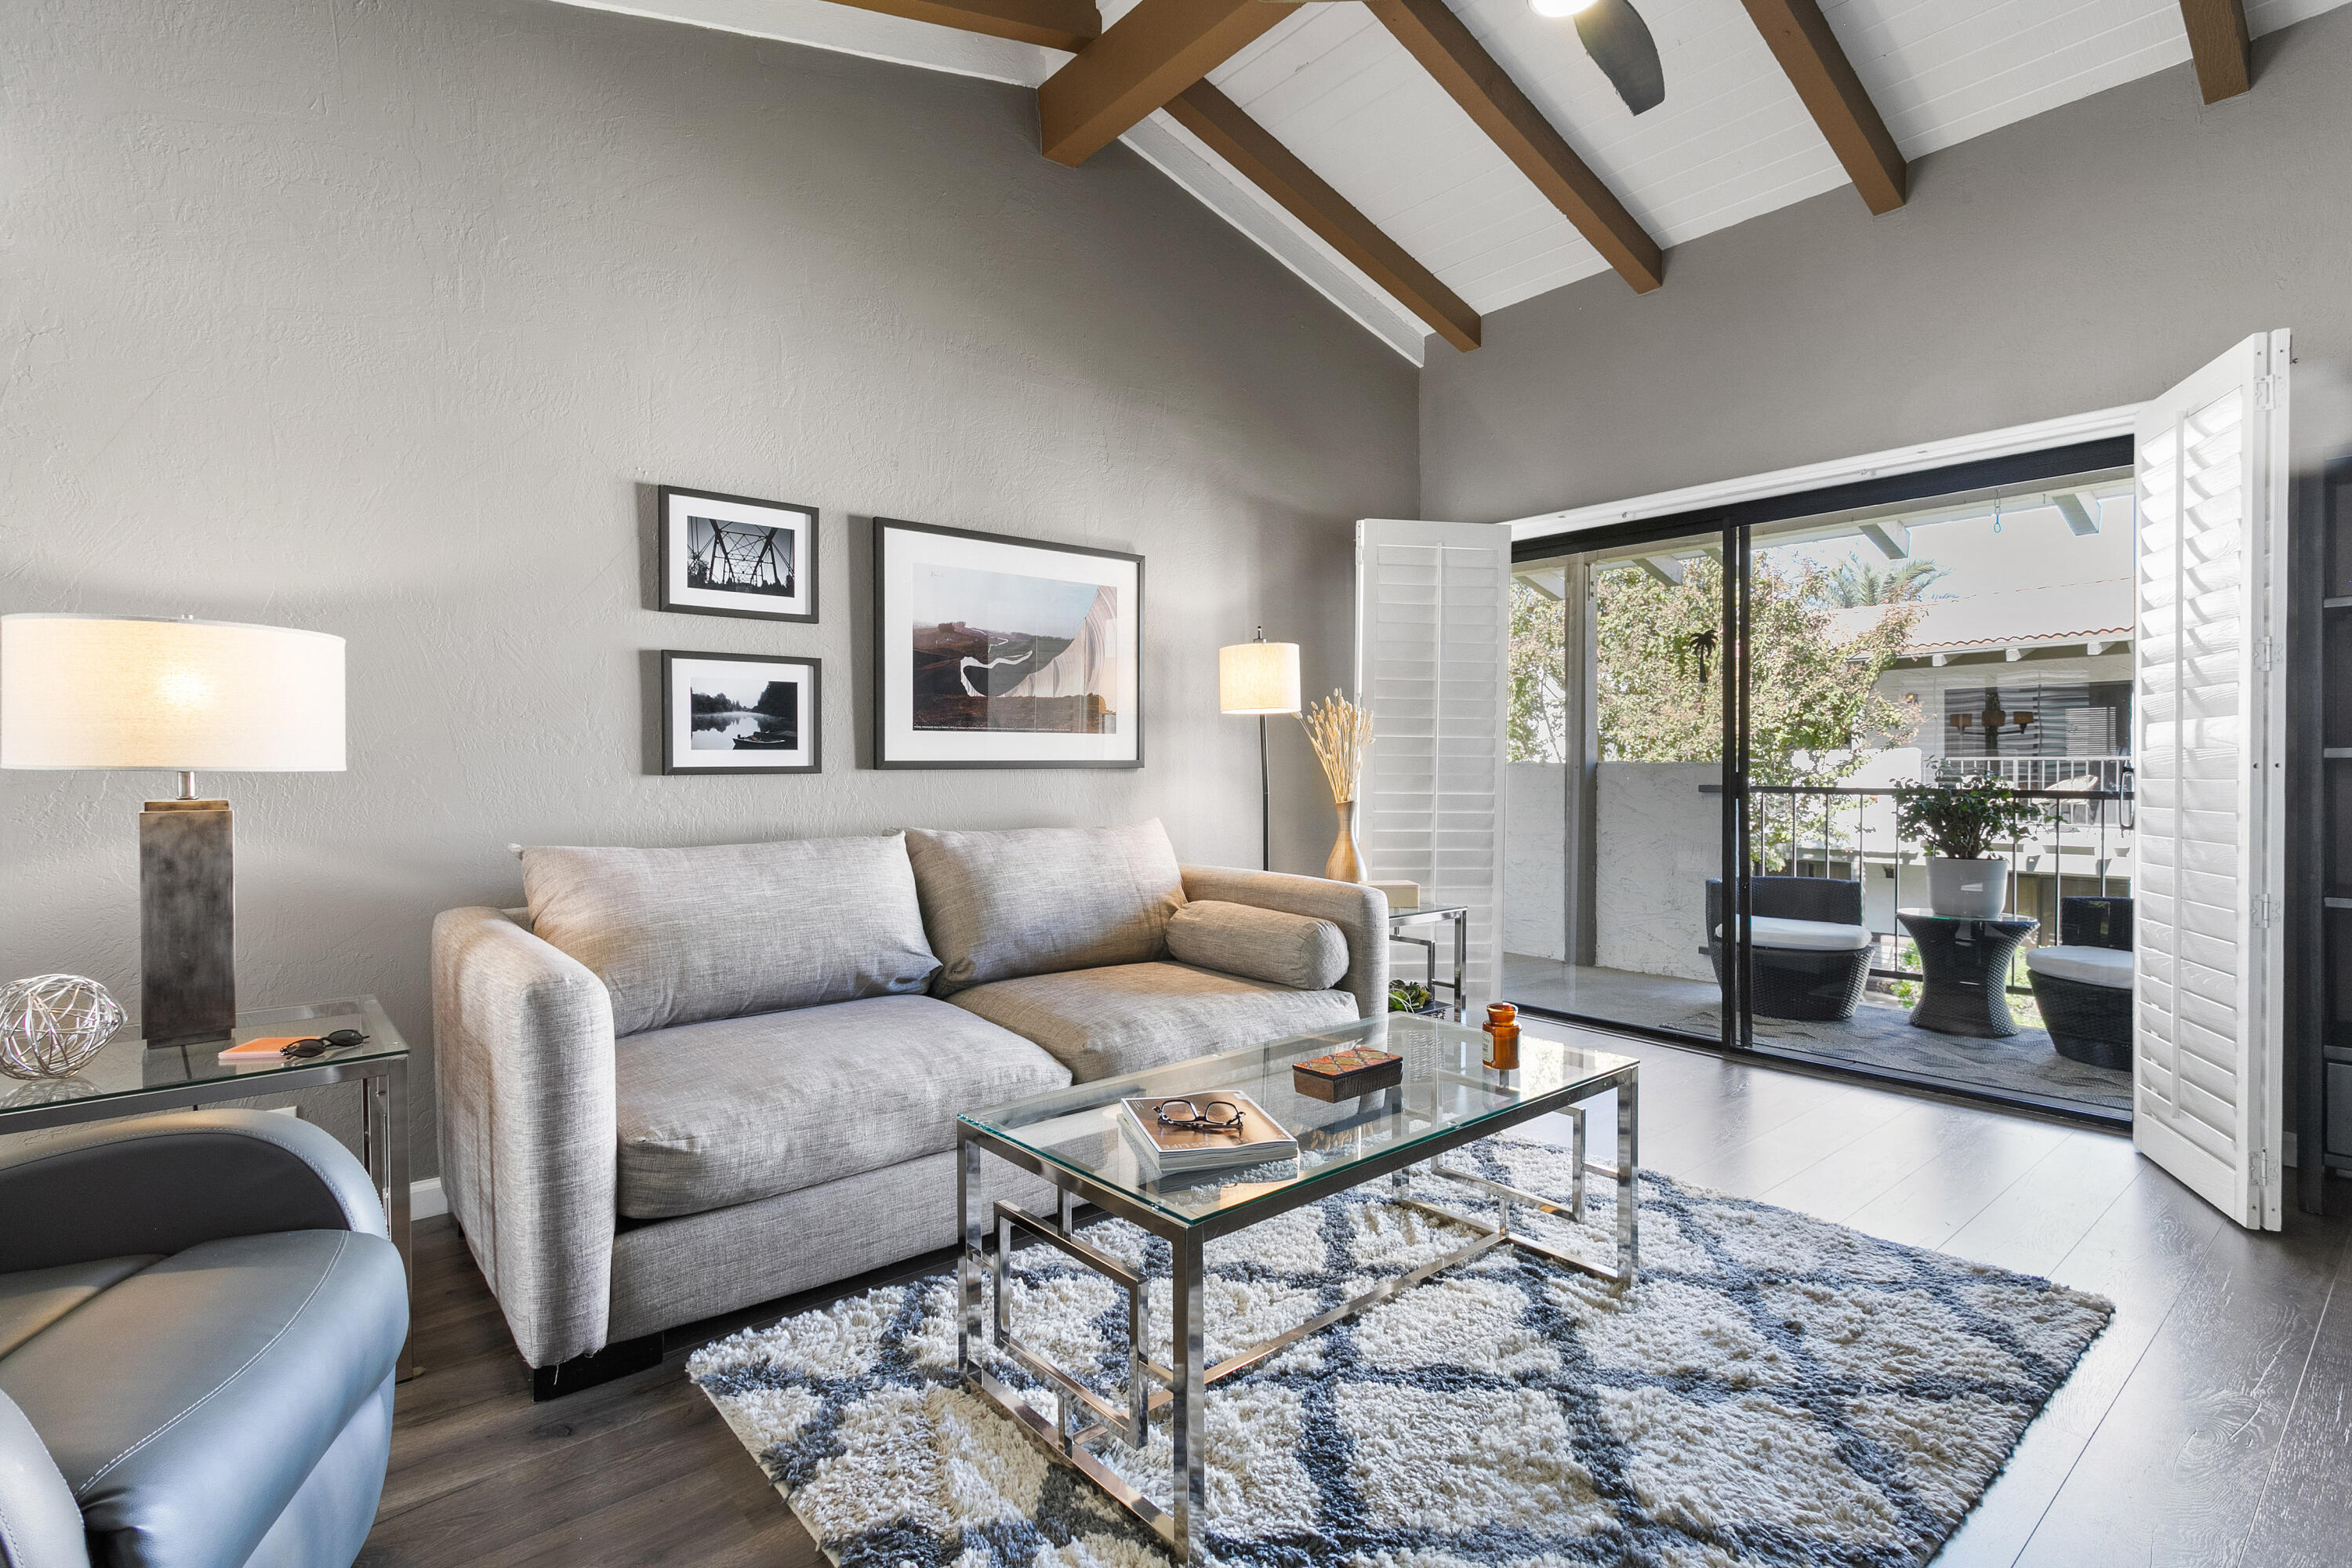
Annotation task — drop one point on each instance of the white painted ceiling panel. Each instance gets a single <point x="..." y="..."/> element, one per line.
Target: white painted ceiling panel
<point x="1731" y="141"/>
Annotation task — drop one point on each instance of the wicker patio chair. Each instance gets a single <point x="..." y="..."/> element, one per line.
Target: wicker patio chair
<point x="1809" y="956"/>
<point x="2083" y="985"/>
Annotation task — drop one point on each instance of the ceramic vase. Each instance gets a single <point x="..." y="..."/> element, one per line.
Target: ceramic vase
<point x="1967" y="889"/>
<point x="1345" y="864"/>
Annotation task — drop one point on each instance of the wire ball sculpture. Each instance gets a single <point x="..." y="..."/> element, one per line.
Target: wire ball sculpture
<point x="51" y="1024"/>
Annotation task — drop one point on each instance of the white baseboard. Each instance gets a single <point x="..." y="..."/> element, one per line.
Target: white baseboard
<point x="425" y="1200"/>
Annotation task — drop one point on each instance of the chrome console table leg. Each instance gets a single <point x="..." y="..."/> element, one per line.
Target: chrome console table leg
<point x="1188" y="1426"/>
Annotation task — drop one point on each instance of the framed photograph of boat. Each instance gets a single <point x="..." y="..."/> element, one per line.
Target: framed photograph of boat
<point x="732" y="555"/>
<point x="993" y="651"/>
<point x="740" y="713"/>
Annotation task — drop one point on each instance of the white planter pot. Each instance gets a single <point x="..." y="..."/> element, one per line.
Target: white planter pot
<point x="1967" y="889"/>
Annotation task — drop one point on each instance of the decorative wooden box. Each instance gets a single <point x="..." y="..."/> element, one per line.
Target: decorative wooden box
<point x="1344" y="1075"/>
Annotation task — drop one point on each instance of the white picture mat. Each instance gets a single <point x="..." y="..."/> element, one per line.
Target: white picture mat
<point x="801" y="524"/>
<point x="902" y="551"/>
<point x="681" y="739"/>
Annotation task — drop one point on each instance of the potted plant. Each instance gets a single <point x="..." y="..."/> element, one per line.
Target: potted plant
<point x="1959" y="824"/>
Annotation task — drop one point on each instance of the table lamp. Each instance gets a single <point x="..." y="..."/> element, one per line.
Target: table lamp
<point x="1260" y="677"/>
<point x="117" y="692"/>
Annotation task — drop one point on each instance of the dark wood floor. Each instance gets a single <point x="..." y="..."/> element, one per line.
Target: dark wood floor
<point x="2211" y="1423"/>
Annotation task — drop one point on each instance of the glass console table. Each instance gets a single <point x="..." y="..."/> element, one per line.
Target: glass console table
<point x="1071" y="1137"/>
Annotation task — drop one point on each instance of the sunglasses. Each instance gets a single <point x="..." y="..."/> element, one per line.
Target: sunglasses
<point x="319" y="1045"/>
<point x="1208" y="1116"/>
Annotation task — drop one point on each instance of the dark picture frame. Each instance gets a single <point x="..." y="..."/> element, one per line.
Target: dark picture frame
<point x="719" y="555"/>
<point x="1076" y="698"/>
<point x="687" y="674"/>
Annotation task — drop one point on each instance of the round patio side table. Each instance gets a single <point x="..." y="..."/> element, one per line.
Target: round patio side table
<point x="1963" y="971"/>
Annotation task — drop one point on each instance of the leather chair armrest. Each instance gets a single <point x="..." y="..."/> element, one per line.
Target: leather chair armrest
<point x="1360" y="912"/>
<point x="163" y="1184"/>
<point x="40" y="1525"/>
<point x="523" y="1073"/>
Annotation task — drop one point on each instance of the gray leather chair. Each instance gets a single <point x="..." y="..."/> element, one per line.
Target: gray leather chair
<point x="200" y="1315"/>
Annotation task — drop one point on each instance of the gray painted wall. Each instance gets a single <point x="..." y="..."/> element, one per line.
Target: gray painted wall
<point x="383" y="319"/>
<point x="2083" y="258"/>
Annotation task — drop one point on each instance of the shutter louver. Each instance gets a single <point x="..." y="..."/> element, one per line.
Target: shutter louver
<point x="1433" y="643"/>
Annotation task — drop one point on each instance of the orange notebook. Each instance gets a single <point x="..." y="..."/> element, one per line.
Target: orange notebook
<point x="269" y="1049"/>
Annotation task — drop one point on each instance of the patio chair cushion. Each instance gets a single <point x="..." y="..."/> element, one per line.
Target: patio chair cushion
<point x="2106" y="967"/>
<point x="1807" y="936"/>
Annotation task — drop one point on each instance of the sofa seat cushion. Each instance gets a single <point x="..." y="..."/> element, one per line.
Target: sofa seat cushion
<point x="2108" y="966"/>
<point x="188" y="1405"/>
<point x="1806" y="936"/>
<point x="1040" y="901"/>
<point x="1100" y="1022"/>
<point x="723" y="1113"/>
<point x="727" y="930"/>
<point x="33" y="1298"/>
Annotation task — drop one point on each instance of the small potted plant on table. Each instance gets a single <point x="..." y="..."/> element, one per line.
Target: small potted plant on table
<point x="1960" y="823"/>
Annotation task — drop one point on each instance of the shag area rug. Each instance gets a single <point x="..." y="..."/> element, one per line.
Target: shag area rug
<point x="1776" y="1390"/>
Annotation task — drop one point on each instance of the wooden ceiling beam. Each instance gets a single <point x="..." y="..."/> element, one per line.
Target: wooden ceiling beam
<point x="2218" y="40"/>
<point x="1436" y="37"/>
<point x="1275" y="169"/>
<point x="1817" y="66"/>
<point x="1069" y="25"/>
<point x="1140" y="64"/>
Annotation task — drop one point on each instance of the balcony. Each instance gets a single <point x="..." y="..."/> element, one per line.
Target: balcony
<point x="1656" y="842"/>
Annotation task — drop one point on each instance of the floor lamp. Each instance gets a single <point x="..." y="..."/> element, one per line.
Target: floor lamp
<point x="1260" y="677"/>
<point x="101" y="691"/>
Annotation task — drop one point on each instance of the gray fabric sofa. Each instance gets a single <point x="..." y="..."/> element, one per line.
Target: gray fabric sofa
<point x="680" y="1082"/>
<point x="200" y="1314"/>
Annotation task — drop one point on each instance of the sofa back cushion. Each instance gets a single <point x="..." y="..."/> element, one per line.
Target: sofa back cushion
<point x="1041" y="901"/>
<point x="1296" y="951"/>
<point x="679" y="936"/>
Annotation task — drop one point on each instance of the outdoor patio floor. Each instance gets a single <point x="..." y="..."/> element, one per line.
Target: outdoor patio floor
<point x="1879" y="1036"/>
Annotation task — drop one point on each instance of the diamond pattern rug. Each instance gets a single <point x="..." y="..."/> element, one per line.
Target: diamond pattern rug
<point x="1776" y="1390"/>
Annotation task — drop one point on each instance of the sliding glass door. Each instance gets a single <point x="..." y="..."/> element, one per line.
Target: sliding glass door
<point x="1616" y="863"/>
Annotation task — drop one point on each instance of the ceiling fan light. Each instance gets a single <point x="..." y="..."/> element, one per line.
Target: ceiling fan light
<point x="1557" y="9"/>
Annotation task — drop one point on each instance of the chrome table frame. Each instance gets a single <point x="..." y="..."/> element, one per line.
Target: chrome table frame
<point x="1084" y="1417"/>
<point x="1458" y="917"/>
<point x="383" y="1134"/>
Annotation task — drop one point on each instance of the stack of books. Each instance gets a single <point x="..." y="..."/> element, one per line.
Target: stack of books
<point x="1176" y="1151"/>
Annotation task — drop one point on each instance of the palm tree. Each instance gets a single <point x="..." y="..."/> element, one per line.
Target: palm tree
<point x="1854" y="581"/>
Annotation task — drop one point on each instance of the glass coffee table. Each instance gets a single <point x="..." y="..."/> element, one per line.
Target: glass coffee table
<point x="1071" y="1137"/>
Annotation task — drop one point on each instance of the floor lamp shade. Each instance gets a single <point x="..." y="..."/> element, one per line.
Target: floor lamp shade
<point x="96" y="691"/>
<point x="1258" y="677"/>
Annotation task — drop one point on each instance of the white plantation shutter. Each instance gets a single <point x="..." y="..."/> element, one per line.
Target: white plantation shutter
<point x="1432" y="639"/>
<point x="2210" y="693"/>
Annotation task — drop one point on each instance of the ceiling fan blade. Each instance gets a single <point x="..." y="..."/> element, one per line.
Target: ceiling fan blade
<point x="1618" y="42"/>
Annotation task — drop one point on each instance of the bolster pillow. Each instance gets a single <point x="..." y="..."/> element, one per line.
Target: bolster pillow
<point x="1259" y="945"/>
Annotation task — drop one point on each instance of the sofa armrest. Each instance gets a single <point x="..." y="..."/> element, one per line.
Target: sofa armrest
<point x="1360" y="912"/>
<point x="163" y="1184"/>
<point x="41" y="1524"/>
<point x="522" y="1037"/>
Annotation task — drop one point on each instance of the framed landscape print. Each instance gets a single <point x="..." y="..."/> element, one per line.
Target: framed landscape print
<point x="991" y="651"/>
<point x="739" y="713"/>
<point x="732" y="555"/>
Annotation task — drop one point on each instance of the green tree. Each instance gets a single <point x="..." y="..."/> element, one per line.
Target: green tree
<point x="1538" y="717"/>
<point x="1814" y="706"/>
<point x="1853" y="583"/>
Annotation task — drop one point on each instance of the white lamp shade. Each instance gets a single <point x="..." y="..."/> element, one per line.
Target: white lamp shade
<point x="97" y="691"/>
<point x="1258" y="677"/>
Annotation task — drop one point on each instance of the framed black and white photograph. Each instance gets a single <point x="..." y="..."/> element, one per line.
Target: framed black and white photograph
<point x="732" y="555"/>
<point x="740" y="713"/>
<point x="993" y="651"/>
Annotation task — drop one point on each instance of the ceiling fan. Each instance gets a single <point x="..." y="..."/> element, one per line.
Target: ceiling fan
<point x="1618" y="42"/>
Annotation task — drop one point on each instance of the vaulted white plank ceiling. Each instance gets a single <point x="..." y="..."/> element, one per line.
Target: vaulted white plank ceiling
<point x="1731" y="141"/>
